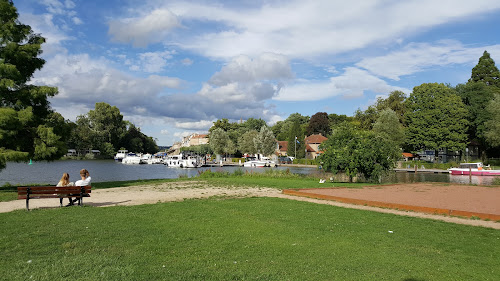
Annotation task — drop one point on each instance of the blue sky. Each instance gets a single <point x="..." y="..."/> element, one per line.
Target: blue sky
<point x="174" y="67"/>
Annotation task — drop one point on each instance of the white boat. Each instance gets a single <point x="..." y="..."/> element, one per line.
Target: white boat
<point x="148" y="159"/>
<point x="475" y="169"/>
<point x="131" y="158"/>
<point x="121" y="154"/>
<point x="190" y="162"/>
<point x="173" y="161"/>
<point x="255" y="164"/>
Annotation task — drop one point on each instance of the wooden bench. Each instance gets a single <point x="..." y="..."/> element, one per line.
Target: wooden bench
<point x="41" y="192"/>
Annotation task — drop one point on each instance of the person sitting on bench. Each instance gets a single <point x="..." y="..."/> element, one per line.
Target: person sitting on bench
<point x="85" y="181"/>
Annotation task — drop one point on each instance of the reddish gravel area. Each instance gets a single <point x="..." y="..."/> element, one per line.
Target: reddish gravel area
<point x="450" y="199"/>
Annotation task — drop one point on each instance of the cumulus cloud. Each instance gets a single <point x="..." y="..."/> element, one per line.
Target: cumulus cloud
<point x="267" y="66"/>
<point x="351" y="84"/>
<point x="145" y="30"/>
<point x="417" y="57"/>
<point x="151" y="62"/>
<point x="187" y="61"/>
<point x="198" y="125"/>
<point x="318" y="28"/>
<point x="164" y="132"/>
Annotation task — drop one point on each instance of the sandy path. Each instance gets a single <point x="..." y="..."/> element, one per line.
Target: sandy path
<point x="178" y="191"/>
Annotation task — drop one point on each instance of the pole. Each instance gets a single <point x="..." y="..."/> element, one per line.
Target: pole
<point x="295" y="143"/>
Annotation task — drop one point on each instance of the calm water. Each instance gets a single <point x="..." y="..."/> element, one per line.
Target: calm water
<point x="102" y="170"/>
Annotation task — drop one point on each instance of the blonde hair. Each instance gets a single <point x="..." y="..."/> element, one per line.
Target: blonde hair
<point x="65" y="179"/>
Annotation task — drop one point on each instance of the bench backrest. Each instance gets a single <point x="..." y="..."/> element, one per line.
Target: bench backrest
<point x="51" y="191"/>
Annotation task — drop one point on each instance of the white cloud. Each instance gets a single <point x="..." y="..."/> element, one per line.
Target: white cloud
<point x="351" y="84"/>
<point x="164" y="132"/>
<point x="182" y="134"/>
<point x="308" y="29"/>
<point x="145" y="30"/>
<point x="199" y="125"/>
<point x="77" y="20"/>
<point x="418" y="57"/>
<point x="152" y="62"/>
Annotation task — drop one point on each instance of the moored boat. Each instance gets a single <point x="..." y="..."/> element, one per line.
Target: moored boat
<point x="131" y="158"/>
<point x="474" y="169"/>
<point x="122" y="153"/>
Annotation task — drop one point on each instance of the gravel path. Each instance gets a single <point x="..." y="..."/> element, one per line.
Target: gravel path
<point x="178" y="191"/>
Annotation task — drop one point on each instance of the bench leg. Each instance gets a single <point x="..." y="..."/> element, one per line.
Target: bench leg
<point x="27" y="204"/>
<point x="60" y="202"/>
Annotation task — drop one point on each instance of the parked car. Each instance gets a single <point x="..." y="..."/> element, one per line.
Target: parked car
<point x="285" y="160"/>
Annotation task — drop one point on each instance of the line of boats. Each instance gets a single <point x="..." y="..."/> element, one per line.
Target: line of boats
<point x="183" y="160"/>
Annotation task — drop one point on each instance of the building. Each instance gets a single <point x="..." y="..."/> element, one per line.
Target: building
<point x="198" y="139"/>
<point x="282" y="148"/>
<point x="312" y="143"/>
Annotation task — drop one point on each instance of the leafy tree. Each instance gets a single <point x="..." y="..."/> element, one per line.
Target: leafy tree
<point x="395" y="101"/>
<point x="485" y="71"/>
<point x="476" y="96"/>
<point x="492" y="126"/>
<point x="358" y="152"/>
<point x="296" y="145"/>
<point x="336" y="119"/>
<point x="246" y="142"/>
<point x="136" y="141"/>
<point x="220" y="142"/>
<point x="253" y="124"/>
<point x="319" y="124"/>
<point x="436" y="118"/>
<point x="265" y="142"/>
<point x="19" y="51"/>
<point x="388" y="127"/>
<point x="107" y="123"/>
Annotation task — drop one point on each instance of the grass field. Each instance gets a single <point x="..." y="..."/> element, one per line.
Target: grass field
<point x="240" y="239"/>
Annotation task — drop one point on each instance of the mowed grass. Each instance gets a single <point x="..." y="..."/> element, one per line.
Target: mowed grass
<point x="240" y="239"/>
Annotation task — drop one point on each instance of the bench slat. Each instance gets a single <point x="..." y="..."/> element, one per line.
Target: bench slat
<point x="42" y="192"/>
<point x="54" y="191"/>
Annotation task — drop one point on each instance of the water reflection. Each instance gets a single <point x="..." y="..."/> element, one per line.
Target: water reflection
<point x="50" y="173"/>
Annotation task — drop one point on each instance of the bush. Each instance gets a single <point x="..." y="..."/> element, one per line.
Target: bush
<point x="306" y="161"/>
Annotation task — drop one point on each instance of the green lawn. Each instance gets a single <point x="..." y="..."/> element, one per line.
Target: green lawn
<point x="236" y="239"/>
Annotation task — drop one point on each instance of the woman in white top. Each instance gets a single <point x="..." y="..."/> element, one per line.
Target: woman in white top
<point x="85" y="178"/>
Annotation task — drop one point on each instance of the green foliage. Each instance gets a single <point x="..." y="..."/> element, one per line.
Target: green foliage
<point x="435" y="118"/>
<point x="26" y="119"/>
<point x="306" y="161"/>
<point x="220" y="143"/>
<point x="395" y="101"/>
<point x="319" y="124"/>
<point x="358" y="152"/>
<point x="201" y="149"/>
<point x="388" y="127"/>
<point x="265" y="142"/>
<point x="246" y="142"/>
<point x="485" y="71"/>
<point x="296" y="145"/>
<point x="492" y="126"/>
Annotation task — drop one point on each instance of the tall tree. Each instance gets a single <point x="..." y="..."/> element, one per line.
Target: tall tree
<point x="246" y="142"/>
<point x="107" y="123"/>
<point x="296" y="145"/>
<point x="485" y="71"/>
<point x="319" y="124"/>
<point x="435" y="118"/>
<point x="19" y="51"/>
<point x="265" y="142"/>
<point x="395" y="101"/>
<point x="388" y="127"/>
<point x="220" y="142"/>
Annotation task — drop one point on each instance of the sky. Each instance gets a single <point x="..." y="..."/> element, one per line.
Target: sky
<point x="175" y="67"/>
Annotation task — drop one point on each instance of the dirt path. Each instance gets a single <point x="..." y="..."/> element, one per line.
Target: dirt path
<point x="178" y="191"/>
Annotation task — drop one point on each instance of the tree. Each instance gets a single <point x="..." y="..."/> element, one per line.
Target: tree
<point x="395" y="101"/>
<point x="253" y="124"/>
<point x="435" y="118"/>
<point x="246" y="142"/>
<point x="107" y="123"/>
<point x="19" y="51"/>
<point x="296" y="145"/>
<point x="319" y="124"/>
<point x="492" y="126"/>
<point x="388" y="127"/>
<point x="358" y="152"/>
<point x="265" y="142"/>
<point x="485" y="71"/>
<point x="220" y="142"/>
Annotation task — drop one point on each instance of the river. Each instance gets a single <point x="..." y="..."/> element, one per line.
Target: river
<point x="109" y="170"/>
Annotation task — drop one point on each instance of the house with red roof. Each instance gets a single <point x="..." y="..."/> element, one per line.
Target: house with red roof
<point x="282" y="148"/>
<point x="312" y="143"/>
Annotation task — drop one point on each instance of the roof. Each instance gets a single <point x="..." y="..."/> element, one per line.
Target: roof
<point x="315" y="139"/>
<point x="283" y="145"/>
<point x="309" y="148"/>
<point x="407" y="154"/>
